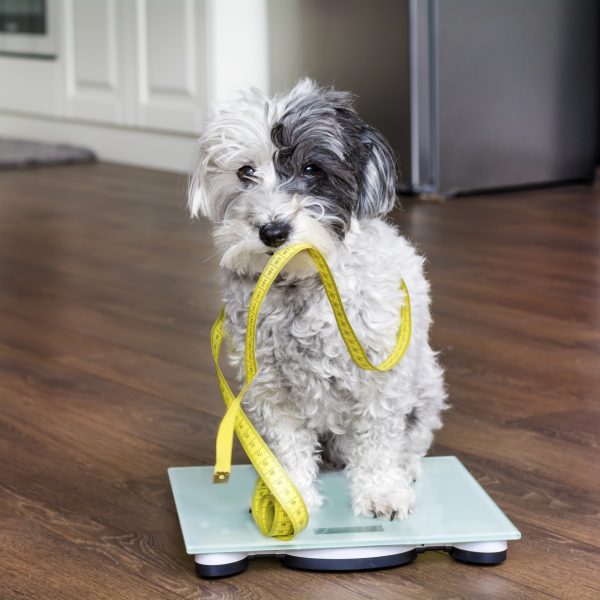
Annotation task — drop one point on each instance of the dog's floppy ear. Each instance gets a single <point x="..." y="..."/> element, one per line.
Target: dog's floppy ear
<point x="377" y="176"/>
<point x="198" y="198"/>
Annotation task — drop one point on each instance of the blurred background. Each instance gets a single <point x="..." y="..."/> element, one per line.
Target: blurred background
<point x="472" y="94"/>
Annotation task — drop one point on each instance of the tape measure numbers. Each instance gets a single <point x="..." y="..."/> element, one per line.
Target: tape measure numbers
<point x="277" y="506"/>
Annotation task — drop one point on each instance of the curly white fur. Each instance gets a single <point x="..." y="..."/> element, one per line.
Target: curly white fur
<point x="309" y="399"/>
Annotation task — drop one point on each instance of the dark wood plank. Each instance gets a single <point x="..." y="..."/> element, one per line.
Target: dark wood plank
<point x="107" y="294"/>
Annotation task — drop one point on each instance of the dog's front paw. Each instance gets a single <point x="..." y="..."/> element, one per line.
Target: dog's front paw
<point x="394" y="499"/>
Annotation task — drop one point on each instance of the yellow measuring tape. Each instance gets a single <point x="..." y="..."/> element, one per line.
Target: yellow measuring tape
<point x="277" y="506"/>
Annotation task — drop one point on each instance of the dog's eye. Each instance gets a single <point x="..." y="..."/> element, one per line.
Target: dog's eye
<point x="245" y="173"/>
<point x="310" y="170"/>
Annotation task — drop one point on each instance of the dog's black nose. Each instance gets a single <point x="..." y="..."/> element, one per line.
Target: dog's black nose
<point x="274" y="234"/>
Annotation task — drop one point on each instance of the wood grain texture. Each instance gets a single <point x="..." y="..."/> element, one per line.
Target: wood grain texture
<point x="107" y="294"/>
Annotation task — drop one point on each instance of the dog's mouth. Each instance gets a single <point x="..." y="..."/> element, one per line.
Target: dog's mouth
<point x="270" y="252"/>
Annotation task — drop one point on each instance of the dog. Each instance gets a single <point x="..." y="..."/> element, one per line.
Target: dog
<point x="303" y="167"/>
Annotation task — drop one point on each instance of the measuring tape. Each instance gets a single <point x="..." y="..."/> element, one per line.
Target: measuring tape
<point x="277" y="506"/>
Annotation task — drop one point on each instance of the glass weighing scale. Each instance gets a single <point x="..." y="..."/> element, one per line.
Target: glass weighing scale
<point x="453" y="513"/>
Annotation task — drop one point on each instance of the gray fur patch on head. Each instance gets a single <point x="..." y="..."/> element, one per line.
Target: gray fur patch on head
<point x="353" y="167"/>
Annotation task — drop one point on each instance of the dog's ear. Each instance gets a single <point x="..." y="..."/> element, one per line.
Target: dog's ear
<point x="377" y="175"/>
<point x="198" y="197"/>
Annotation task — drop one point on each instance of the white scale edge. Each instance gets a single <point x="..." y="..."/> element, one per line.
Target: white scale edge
<point x="224" y="558"/>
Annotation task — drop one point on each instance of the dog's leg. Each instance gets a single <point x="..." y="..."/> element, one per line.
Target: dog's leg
<point x="383" y="451"/>
<point x="297" y="449"/>
<point x="379" y="469"/>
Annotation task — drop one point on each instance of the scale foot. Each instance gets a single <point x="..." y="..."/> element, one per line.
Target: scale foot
<point x="479" y="553"/>
<point x="350" y="559"/>
<point x="220" y="565"/>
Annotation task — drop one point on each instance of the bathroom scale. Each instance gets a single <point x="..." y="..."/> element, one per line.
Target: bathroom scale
<point x="453" y="513"/>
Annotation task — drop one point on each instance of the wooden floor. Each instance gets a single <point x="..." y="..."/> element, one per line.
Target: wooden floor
<point x="107" y="293"/>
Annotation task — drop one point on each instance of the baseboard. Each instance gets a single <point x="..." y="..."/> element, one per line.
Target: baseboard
<point x="142" y="148"/>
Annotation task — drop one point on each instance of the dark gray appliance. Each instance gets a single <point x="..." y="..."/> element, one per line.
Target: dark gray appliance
<point x="472" y="94"/>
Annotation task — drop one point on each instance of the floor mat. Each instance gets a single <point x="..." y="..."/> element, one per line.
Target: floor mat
<point x="22" y="154"/>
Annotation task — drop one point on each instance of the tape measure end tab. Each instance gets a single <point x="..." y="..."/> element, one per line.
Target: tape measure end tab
<point x="221" y="477"/>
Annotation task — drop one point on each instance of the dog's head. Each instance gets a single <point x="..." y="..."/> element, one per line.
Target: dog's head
<point x="294" y="168"/>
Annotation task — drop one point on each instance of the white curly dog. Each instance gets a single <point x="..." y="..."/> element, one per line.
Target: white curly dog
<point x="303" y="167"/>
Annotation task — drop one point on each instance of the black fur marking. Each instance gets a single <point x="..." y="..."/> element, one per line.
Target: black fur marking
<point x="353" y="167"/>
<point x="411" y="419"/>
